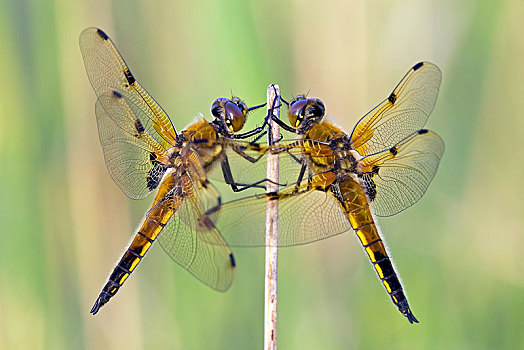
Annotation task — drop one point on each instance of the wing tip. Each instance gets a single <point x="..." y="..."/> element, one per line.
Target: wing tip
<point x="232" y="260"/>
<point x="418" y="65"/>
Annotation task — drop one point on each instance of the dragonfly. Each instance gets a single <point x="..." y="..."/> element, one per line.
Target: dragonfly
<point x="143" y="152"/>
<point x="333" y="181"/>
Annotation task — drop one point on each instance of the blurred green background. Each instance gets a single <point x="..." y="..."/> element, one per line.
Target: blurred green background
<point x="64" y="223"/>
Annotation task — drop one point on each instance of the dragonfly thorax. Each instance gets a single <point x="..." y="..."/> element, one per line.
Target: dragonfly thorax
<point x="346" y="158"/>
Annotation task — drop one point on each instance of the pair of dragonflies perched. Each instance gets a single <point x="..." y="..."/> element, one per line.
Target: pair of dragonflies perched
<point x="329" y="182"/>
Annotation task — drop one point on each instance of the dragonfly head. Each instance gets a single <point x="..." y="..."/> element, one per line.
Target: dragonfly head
<point x="230" y="114"/>
<point x="305" y="112"/>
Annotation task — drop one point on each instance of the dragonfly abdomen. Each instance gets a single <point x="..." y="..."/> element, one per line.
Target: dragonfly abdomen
<point x="362" y="221"/>
<point x="130" y="260"/>
<point x="374" y="246"/>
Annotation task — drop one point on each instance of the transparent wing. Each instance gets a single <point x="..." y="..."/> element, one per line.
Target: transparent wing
<point x="204" y="193"/>
<point x="304" y="216"/>
<point x="405" y="111"/>
<point x="132" y="156"/>
<point x="200" y="250"/>
<point x="397" y="178"/>
<point x="108" y="73"/>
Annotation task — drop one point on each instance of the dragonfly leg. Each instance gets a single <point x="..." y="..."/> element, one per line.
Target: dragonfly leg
<point x="238" y="186"/>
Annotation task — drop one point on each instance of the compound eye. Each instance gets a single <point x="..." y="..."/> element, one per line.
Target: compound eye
<point x="299" y="98"/>
<point x="235" y="115"/>
<point x="296" y="113"/>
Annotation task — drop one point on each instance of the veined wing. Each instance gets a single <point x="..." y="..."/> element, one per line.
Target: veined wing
<point x="108" y="73"/>
<point x="203" y="192"/>
<point x="305" y="215"/>
<point x="405" y="111"/>
<point x="134" y="158"/>
<point x="397" y="178"/>
<point x="200" y="250"/>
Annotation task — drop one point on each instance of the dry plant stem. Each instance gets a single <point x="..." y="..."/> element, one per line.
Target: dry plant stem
<point x="270" y="312"/>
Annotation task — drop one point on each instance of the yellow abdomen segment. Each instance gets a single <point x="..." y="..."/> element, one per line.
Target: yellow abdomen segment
<point x="357" y="210"/>
<point x="162" y="210"/>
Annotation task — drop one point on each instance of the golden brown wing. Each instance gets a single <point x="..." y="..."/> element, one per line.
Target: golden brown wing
<point x="405" y="111"/>
<point x="108" y="73"/>
<point x="398" y="177"/>
<point x="304" y="216"/>
<point x="132" y="155"/>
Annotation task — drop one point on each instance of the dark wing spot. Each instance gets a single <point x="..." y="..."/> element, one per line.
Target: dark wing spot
<point x="204" y="223"/>
<point x="418" y="65"/>
<point x="374" y="170"/>
<point x="139" y="127"/>
<point x="130" y="78"/>
<point x="423" y="131"/>
<point x="101" y="34"/>
<point x="232" y="260"/>
<point x="393" y="150"/>
<point x="117" y="94"/>
<point x="392" y="98"/>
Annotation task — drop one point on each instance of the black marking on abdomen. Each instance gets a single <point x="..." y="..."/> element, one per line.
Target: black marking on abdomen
<point x="397" y="293"/>
<point x="392" y="98"/>
<point x="123" y="268"/>
<point x="135" y="254"/>
<point x="418" y="65"/>
<point x="130" y="78"/>
<point x="386" y="266"/>
<point x="393" y="281"/>
<point x="115" y="277"/>
<point x="145" y="237"/>
<point x="101" y="34"/>
<point x="369" y="244"/>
